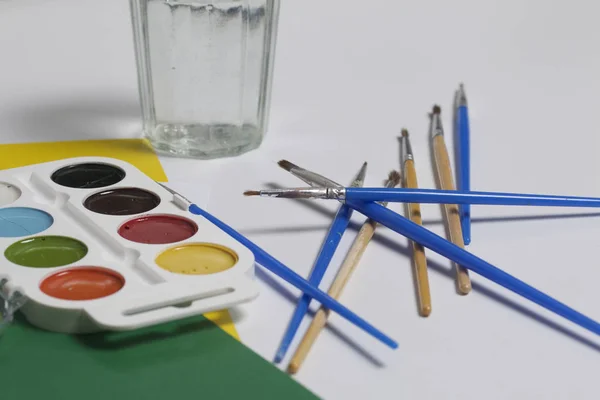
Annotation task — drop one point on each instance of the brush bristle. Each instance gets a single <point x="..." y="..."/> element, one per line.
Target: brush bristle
<point x="404" y="132"/>
<point x="394" y="177"/>
<point x="288" y="166"/>
<point x="437" y="109"/>
<point x="251" y="193"/>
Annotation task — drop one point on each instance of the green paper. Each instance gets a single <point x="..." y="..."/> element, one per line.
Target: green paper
<point x="189" y="359"/>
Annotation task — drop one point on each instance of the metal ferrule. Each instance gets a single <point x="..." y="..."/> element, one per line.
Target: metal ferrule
<point x="306" y="193"/>
<point x="178" y="198"/>
<point x="390" y="185"/>
<point x="319" y="181"/>
<point x="313" y="179"/>
<point x="461" y="97"/>
<point x="359" y="179"/>
<point x="406" y="152"/>
<point x="336" y="193"/>
<point x="436" y="127"/>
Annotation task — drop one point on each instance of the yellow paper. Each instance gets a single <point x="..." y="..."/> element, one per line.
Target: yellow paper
<point x="134" y="151"/>
<point x="224" y="321"/>
<point x="137" y="152"/>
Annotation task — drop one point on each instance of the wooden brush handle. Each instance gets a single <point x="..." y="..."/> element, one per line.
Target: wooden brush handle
<point x="341" y="279"/>
<point x="451" y="213"/>
<point x="316" y="326"/>
<point x="419" y="259"/>
<point x="364" y="236"/>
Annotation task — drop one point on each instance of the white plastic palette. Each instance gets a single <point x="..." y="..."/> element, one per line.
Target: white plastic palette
<point x="95" y="244"/>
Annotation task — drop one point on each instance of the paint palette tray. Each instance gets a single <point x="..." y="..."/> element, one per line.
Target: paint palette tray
<point x="95" y="245"/>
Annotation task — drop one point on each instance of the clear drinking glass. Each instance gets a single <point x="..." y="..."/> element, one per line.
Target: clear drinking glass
<point x="205" y="70"/>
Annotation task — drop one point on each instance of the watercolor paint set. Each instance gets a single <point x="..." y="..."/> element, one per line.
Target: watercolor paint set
<point x="94" y="244"/>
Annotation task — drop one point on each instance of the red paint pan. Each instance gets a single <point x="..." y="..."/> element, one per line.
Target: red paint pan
<point x="158" y="229"/>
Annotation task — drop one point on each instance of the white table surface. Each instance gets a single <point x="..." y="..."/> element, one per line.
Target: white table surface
<point x="349" y="75"/>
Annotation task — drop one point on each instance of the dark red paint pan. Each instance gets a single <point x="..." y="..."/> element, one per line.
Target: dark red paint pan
<point x="158" y="229"/>
<point x="122" y="201"/>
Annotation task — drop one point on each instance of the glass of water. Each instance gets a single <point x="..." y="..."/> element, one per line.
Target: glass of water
<point x="204" y="72"/>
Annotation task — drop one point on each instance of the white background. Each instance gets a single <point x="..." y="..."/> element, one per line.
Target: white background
<point x="349" y="74"/>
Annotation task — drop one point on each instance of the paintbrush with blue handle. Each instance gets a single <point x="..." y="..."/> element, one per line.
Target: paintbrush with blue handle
<point x="272" y="264"/>
<point x="330" y="244"/>
<point x="403" y="195"/>
<point x="436" y="243"/>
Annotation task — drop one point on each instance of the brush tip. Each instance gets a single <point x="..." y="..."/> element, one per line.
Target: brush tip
<point x="251" y="193"/>
<point x="405" y="132"/>
<point x="437" y="109"/>
<point x="285" y="164"/>
<point x="394" y="177"/>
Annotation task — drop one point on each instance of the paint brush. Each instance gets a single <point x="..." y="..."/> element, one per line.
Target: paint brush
<point x="311" y="178"/>
<point x="332" y="240"/>
<point x="341" y="279"/>
<point x="437" y="244"/>
<point x="429" y="196"/>
<point x="461" y="256"/>
<point x="450" y="211"/>
<point x="413" y="212"/>
<point x="276" y="267"/>
<point x="463" y="156"/>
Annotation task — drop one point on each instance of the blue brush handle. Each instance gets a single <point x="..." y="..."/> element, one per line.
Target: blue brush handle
<point x="456" y="197"/>
<point x="332" y="240"/>
<point x="462" y="257"/>
<point x="269" y="262"/>
<point x="464" y="172"/>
